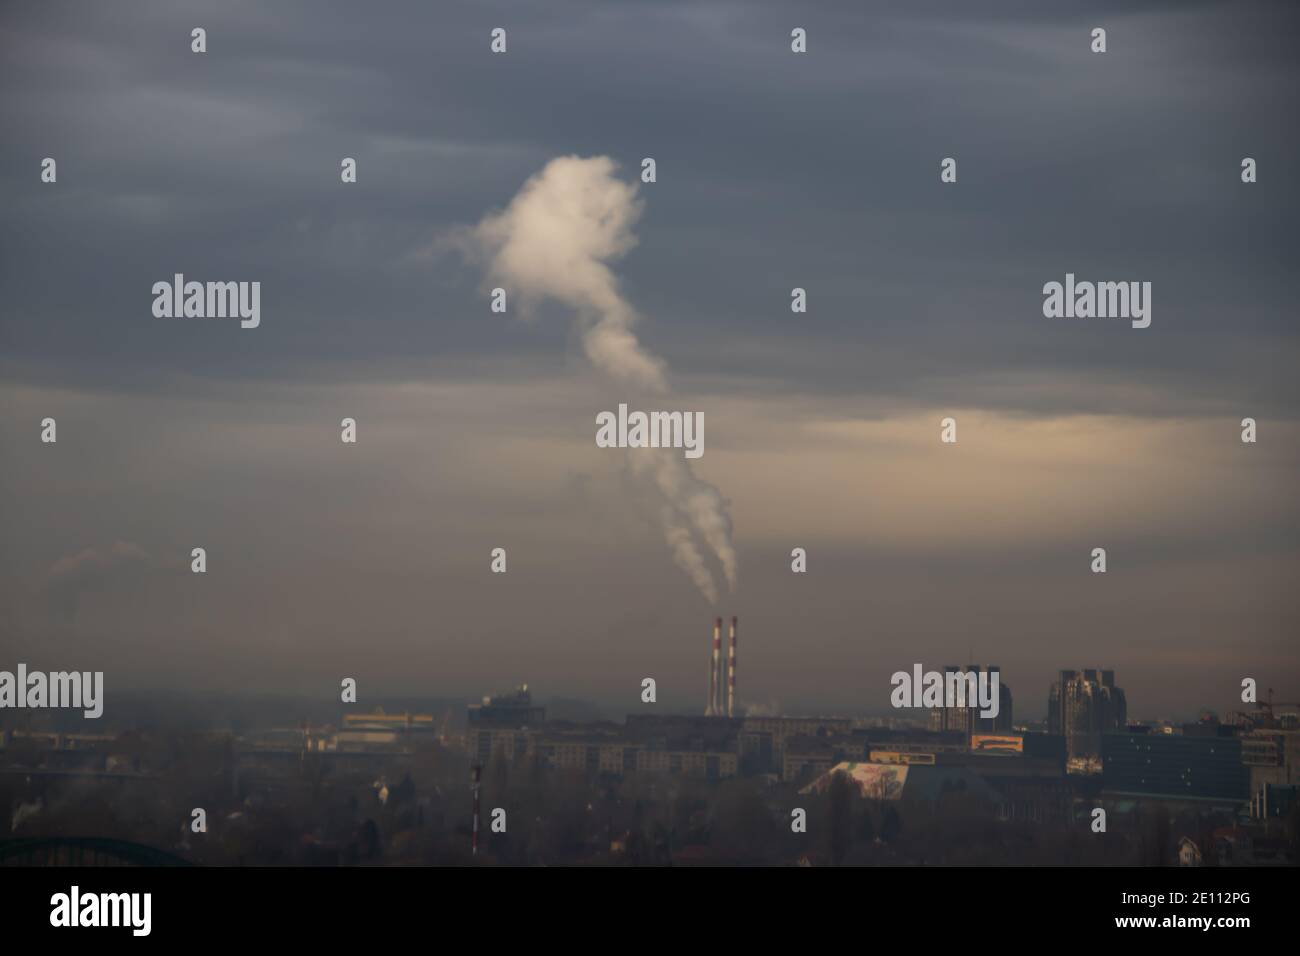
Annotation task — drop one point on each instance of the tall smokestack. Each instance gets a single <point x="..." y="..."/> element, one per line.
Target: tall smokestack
<point x="712" y="709"/>
<point x="731" y="669"/>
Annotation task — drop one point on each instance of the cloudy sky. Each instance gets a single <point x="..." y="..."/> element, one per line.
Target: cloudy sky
<point x="476" y="429"/>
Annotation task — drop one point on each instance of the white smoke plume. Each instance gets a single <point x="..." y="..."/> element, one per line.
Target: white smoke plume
<point x="555" y="240"/>
<point x="695" y="501"/>
<point x="686" y="554"/>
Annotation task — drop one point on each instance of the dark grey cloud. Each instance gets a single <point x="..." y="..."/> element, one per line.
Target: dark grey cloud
<point x="776" y="170"/>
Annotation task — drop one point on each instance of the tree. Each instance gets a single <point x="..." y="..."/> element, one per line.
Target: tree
<point x="841" y="816"/>
<point x="1156" y="836"/>
<point x="891" y="825"/>
<point x="866" y="830"/>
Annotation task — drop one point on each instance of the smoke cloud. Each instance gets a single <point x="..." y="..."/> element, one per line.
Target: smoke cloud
<point x="91" y="570"/>
<point x="555" y="240"/>
<point x="686" y="554"/>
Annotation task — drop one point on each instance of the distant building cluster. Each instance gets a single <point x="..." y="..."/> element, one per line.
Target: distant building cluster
<point x="1024" y="773"/>
<point x="510" y="728"/>
<point x="1248" y="765"/>
<point x="967" y="719"/>
<point x="1244" y="770"/>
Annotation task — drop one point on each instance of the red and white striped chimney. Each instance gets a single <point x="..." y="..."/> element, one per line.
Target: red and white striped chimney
<point x="731" y="670"/>
<point x="715" y="691"/>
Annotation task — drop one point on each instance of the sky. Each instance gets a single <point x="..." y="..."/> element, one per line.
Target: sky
<point x="775" y="170"/>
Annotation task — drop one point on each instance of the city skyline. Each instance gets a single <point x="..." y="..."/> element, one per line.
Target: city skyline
<point x="155" y="707"/>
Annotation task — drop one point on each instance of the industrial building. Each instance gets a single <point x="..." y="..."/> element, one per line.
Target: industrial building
<point x="1272" y="756"/>
<point x="382" y="730"/>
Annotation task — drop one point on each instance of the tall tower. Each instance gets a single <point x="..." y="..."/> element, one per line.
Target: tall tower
<point x="731" y="669"/>
<point x="712" y="708"/>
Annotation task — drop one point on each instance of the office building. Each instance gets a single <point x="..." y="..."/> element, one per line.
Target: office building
<point x="1083" y="706"/>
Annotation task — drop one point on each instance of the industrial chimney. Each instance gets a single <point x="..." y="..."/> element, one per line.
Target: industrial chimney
<point x="712" y="709"/>
<point x="731" y="669"/>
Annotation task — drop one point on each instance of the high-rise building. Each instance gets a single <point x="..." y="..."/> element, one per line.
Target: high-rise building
<point x="967" y="719"/>
<point x="1084" y="705"/>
